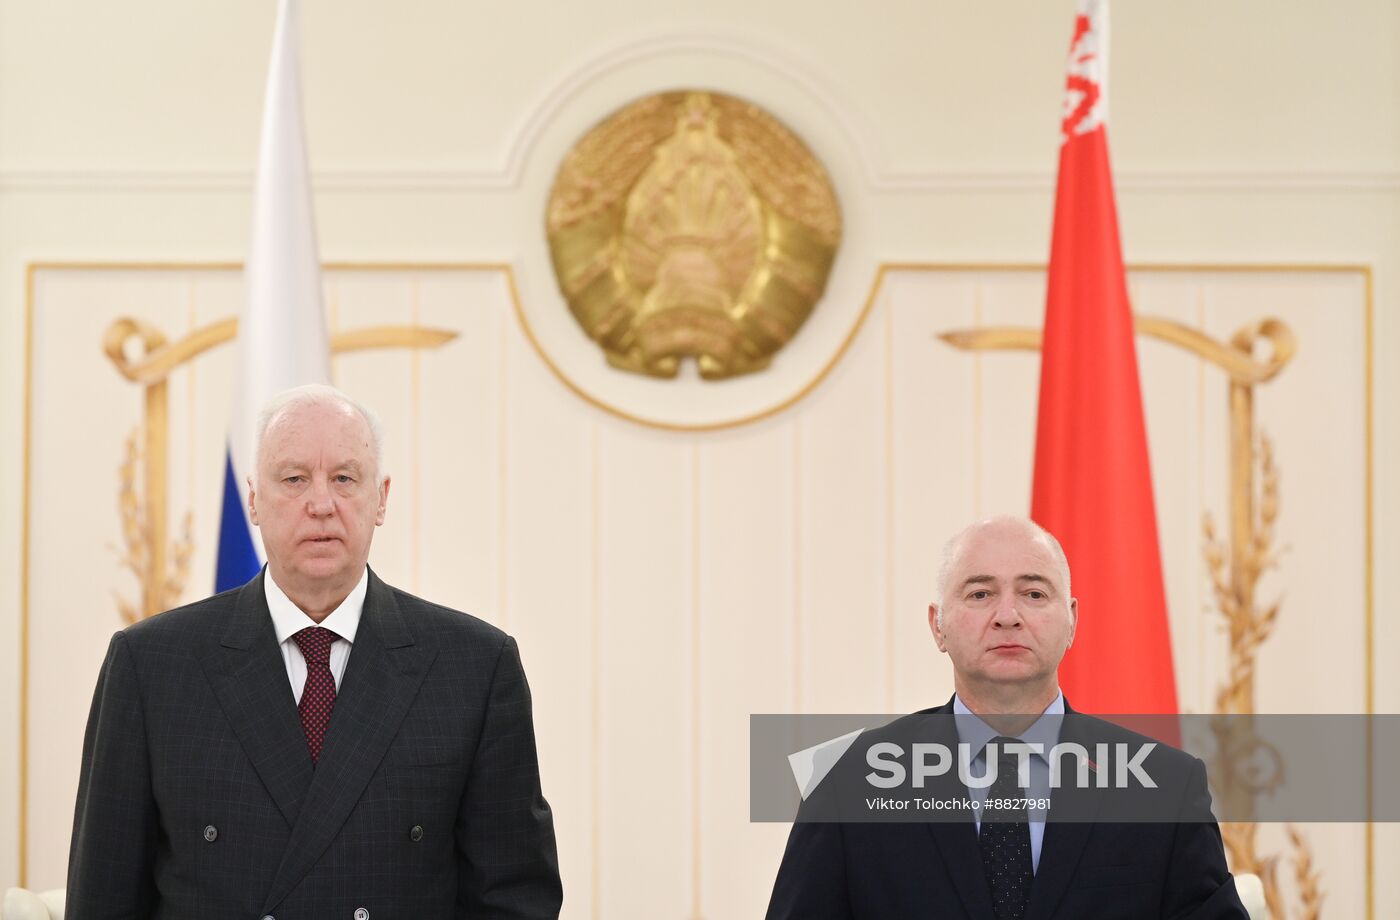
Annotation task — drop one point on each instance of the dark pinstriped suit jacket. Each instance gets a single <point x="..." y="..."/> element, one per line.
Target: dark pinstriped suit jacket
<point x="198" y="798"/>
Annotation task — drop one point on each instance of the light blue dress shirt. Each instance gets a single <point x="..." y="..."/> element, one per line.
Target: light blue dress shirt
<point x="1045" y="731"/>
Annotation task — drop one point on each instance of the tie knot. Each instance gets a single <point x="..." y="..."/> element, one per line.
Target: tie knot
<point x="1003" y="753"/>
<point x="315" y="644"/>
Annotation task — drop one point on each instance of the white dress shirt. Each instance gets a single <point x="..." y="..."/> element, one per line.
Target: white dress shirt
<point x="288" y="620"/>
<point x="1045" y="731"/>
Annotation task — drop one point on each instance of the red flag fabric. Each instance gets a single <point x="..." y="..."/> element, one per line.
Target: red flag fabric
<point x="1093" y="485"/>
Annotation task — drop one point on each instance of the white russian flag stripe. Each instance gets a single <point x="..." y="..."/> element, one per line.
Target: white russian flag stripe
<point x="282" y="340"/>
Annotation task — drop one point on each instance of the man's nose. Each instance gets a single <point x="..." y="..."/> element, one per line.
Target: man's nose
<point x="1007" y="612"/>
<point x="319" y="500"/>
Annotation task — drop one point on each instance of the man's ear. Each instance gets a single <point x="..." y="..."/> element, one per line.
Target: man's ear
<point x="935" y="628"/>
<point x="252" y="505"/>
<point x="1073" y="620"/>
<point x="383" y="501"/>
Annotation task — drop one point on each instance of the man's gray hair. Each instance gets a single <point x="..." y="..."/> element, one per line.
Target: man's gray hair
<point x="320" y="394"/>
<point x="953" y="547"/>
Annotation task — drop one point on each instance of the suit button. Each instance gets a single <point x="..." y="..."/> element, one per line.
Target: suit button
<point x="211" y="833"/>
<point x="269" y="917"/>
<point x="416" y="834"/>
<point x="361" y="914"/>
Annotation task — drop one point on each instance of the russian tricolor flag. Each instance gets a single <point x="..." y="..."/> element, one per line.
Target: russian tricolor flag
<point x="282" y="339"/>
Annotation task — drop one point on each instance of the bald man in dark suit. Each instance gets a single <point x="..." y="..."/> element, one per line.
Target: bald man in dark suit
<point x="1006" y="619"/>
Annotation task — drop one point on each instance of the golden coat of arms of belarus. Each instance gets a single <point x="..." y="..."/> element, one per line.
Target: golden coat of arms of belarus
<point x="692" y="224"/>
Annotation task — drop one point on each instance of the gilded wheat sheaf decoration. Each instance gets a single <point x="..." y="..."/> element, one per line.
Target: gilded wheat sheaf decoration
<point x="1235" y="571"/>
<point x="160" y="590"/>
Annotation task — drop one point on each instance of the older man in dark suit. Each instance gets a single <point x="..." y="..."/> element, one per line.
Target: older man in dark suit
<point x="1006" y="618"/>
<point x="316" y="743"/>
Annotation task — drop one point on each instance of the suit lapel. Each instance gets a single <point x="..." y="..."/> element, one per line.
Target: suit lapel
<point x="957" y="844"/>
<point x="957" y="840"/>
<point x="1064" y="841"/>
<point x="249" y="677"/>
<point x="381" y="680"/>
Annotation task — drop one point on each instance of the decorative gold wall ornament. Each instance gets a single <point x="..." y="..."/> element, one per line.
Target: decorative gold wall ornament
<point x="692" y="224"/>
<point x="1245" y="766"/>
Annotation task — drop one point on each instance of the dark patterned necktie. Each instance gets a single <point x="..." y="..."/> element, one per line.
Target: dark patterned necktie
<point x="1005" y="840"/>
<point x="318" y="696"/>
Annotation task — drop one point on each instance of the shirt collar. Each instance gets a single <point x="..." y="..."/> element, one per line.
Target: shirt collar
<point x="1044" y="731"/>
<point x="288" y="619"/>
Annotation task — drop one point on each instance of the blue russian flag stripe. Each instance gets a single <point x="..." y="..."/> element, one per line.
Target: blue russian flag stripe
<point x="238" y="560"/>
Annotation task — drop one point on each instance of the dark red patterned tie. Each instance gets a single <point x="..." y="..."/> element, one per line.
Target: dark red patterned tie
<point x="318" y="696"/>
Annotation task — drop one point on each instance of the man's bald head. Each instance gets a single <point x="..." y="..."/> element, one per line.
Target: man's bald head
<point x="319" y="394"/>
<point x="953" y="548"/>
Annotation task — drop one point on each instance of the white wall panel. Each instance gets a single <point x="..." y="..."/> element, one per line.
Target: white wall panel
<point x="202" y="409"/>
<point x="1312" y="411"/>
<point x="935" y="465"/>
<point x="745" y="649"/>
<point x="75" y="565"/>
<point x="1171" y="390"/>
<point x="385" y="376"/>
<point x="456" y="426"/>
<point x="1007" y="382"/>
<point x="550" y="487"/>
<point x="845" y="641"/>
<point x="648" y="619"/>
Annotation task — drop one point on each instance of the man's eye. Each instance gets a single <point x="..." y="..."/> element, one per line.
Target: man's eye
<point x="293" y="479"/>
<point x="1038" y="595"/>
<point x="979" y="595"/>
<point x="343" y="478"/>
